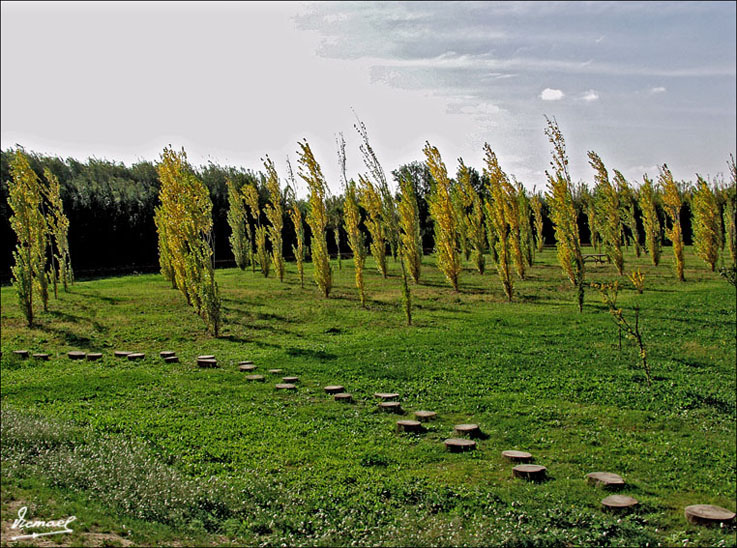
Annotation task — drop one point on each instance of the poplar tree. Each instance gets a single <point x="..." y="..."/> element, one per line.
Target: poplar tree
<point x="589" y="205"/>
<point x="650" y="220"/>
<point x="472" y="214"/>
<point x="608" y="211"/>
<point x="563" y="212"/>
<point x="250" y="196"/>
<point x="58" y="224"/>
<point x="627" y="203"/>
<point x="672" y="203"/>
<point x="165" y="257"/>
<point x="237" y="220"/>
<point x="497" y="213"/>
<point x="28" y="223"/>
<point x="525" y="226"/>
<point x="706" y="223"/>
<point x="730" y="211"/>
<point x="537" y="210"/>
<point x="370" y="200"/>
<point x="352" y="222"/>
<point x="441" y="210"/>
<point x="317" y="216"/>
<point x="295" y="214"/>
<point x="409" y="222"/>
<point x="275" y="214"/>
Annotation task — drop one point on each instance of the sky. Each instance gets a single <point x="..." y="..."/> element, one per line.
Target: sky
<point x="641" y="84"/>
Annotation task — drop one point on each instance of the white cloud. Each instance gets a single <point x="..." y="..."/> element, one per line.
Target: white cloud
<point x="659" y="89"/>
<point x="549" y="94"/>
<point x="590" y="95"/>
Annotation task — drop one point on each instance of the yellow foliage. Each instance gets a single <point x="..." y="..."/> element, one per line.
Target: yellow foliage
<point x="706" y="223"/>
<point x="473" y="217"/>
<point x="239" y="244"/>
<point x="650" y="221"/>
<point x="608" y="208"/>
<point x="371" y="201"/>
<point x="409" y="222"/>
<point x="352" y="222"/>
<point x="275" y="214"/>
<point x="537" y="210"/>
<point x="497" y="212"/>
<point x="295" y="214"/>
<point x="58" y="224"/>
<point x="638" y="280"/>
<point x="250" y="196"/>
<point x="672" y="203"/>
<point x="441" y="210"/>
<point x="627" y="204"/>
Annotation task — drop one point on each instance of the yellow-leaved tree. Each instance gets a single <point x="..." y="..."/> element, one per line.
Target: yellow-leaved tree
<point x="525" y="225"/>
<point x="650" y="221"/>
<point x="28" y="222"/>
<point x="498" y="211"/>
<point x="589" y="206"/>
<point x="537" y="211"/>
<point x="472" y="212"/>
<point x="515" y="228"/>
<point x="370" y="200"/>
<point x="409" y="222"/>
<point x="317" y="217"/>
<point x="275" y="214"/>
<point x="239" y="242"/>
<point x="250" y="195"/>
<point x="186" y="215"/>
<point x="608" y="212"/>
<point x="672" y="203"/>
<point x="627" y="203"/>
<point x="166" y="262"/>
<point x="443" y="215"/>
<point x="707" y="223"/>
<point x="58" y="224"/>
<point x="563" y="212"/>
<point x="730" y="211"/>
<point x="352" y="223"/>
<point x="295" y="214"/>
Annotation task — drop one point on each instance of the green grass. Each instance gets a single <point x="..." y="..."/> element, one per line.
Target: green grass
<point x="249" y="465"/>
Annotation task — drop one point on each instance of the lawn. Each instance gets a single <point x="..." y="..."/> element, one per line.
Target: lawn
<point x="154" y="453"/>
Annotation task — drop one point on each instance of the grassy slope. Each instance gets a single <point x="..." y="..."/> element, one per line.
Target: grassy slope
<point x="535" y="374"/>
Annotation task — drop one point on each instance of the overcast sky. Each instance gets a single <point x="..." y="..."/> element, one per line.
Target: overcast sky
<point x="640" y="83"/>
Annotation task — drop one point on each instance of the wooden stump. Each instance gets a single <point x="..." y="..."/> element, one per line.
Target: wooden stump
<point x="246" y="367"/>
<point x="391" y="407"/>
<point x="171" y="359"/>
<point x="706" y="514"/>
<point x="136" y="356"/>
<point x="619" y="503"/>
<point x="257" y="378"/>
<point x="76" y="355"/>
<point x="458" y="445"/>
<point x="207" y="363"/>
<point x="206" y="357"/>
<point x="532" y="472"/>
<point x="122" y="353"/>
<point x="285" y="386"/>
<point x="290" y="379"/>
<point x="93" y="356"/>
<point x="245" y="362"/>
<point x="386" y="396"/>
<point x="344" y="397"/>
<point x="40" y="356"/>
<point x="409" y="426"/>
<point x="517" y="456"/>
<point x="470" y="430"/>
<point x="425" y="416"/>
<point x="334" y="389"/>
<point x="605" y="480"/>
<point x="22" y="354"/>
<point x="276" y="371"/>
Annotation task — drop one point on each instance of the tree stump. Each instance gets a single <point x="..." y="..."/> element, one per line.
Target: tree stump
<point x="136" y="356"/>
<point x="605" y="480"/>
<point x="171" y="359"/>
<point x="344" y="397"/>
<point x="122" y="353"/>
<point x="207" y="363"/>
<point x="76" y="355"/>
<point x="706" y="514"/>
<point x="285" y="386"/>
<point x="41" y="356"/>
<point x="532" y="472"/>
<point x="246" y="367"/>
<point x="167" y="353"/>
<point x="459" y="445"/>
<point x="425" y="416"/>
<point x="517" y="456"/>
<point x="386" y="396"/>
<point x="333" y="389"/>
<point x="391" y="407"/>
<point x="290" y="379"/>
<point x="93" y="356"/>
<point x="22" y="354"/>
<point x="470" y="430"/>
<point x="257" y="378"/>
<point x="206" y="357"/>
<point x="276" y="371"/>
<point x="245" y="362"/>
<point x="409" y="426"/>
<point x="619" y="503"/>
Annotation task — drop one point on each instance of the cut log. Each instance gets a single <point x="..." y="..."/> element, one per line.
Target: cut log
<point x="425" y="416"/>
<point x="517" y="456"/>
<point x="334" y="389"/>
<point x="470" y="430"/>
<point x="245" y="362"/>
<point x="167" y="353"/>
<point x="246" y="367"/>
<point x="618" y="503"/>
<point x="532" y="472"/>
<point x="290" y="379"/>
<point x="605" y="480"/>
<point x="458" y="445"/>
<point x="391" y="407"/>
<point x="207" y="363"/>
<point x="409" y="426"/>
<point x="122" y="353"/>
<point x="709" y="515"/>
<point x="22" y="354"/>
<point x="344" y="397"/>
<point x="206" y="357"/>
<point x="93" y="356"/>
<point x="41" y="356"/>
<point x="285" y="386"/>
<point x="257" y="378"/>
<point x="136" y="356"/>
<point x="386" y="396"/>
<point x="276" y="371"/>
<point x="76" y="355"/>
<point x="171" y="359"/>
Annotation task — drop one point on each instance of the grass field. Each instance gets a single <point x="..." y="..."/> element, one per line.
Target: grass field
<point x="154" y="453"/>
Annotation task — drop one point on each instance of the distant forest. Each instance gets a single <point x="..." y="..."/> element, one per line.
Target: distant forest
<point x="111" y="209"/>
